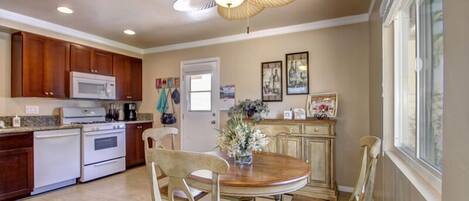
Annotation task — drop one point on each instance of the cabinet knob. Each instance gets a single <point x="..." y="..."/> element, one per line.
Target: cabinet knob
<point x="46" y="93"/>
<point x="51" y="93"/>
<point x="139" y="127"/>
<point x="129" y="97"/>
<point x="316" y="129"/>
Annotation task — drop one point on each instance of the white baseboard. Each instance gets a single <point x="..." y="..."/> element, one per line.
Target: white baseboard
<point x="347" y="189"/>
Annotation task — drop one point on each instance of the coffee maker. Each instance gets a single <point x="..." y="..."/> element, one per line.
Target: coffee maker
<point x="130" y="112"/>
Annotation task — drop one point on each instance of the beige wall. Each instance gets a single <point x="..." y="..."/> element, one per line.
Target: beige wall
<point x="339" y="61"/>
<point x="456" y="99"/>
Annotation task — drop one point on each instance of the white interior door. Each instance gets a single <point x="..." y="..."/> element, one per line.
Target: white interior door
<point x="200" y="95"/>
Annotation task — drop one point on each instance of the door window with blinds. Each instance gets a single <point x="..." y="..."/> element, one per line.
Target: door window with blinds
<point x="200" y="92"/>
<point x="418" y="36"/>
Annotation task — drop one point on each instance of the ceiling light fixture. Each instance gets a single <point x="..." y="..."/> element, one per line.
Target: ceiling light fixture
<point x="229" y="3"/>
<point x="129" y="32"/>
<point x="65" y="10"/>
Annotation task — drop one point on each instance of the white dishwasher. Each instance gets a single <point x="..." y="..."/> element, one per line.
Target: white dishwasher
<point x="56" y="159"/>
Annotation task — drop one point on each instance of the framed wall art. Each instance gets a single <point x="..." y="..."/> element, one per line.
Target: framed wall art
<point x="322" y="106"/>
<point x="272" y="81"/>
<point x="297" y="72"/>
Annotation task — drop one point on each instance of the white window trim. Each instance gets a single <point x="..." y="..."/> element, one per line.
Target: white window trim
<point x="421" y="175"/>
<point x="428" y="185"/>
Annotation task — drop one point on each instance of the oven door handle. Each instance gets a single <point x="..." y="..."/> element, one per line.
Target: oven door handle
<point x="104" y="133"/>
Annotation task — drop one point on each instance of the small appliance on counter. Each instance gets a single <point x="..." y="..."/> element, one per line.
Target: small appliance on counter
<point x="130" y="112"/>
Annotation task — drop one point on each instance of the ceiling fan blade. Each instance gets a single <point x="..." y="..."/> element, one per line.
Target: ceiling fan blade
<point x="193" y="5"/>
<point x="245" y="10"/>
<point x="272" y="3"/>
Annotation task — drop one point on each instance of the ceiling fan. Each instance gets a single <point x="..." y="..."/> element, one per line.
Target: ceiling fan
<point x="230" y="9"/>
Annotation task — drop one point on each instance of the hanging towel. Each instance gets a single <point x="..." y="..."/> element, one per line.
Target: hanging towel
<point x="162" y="105"/>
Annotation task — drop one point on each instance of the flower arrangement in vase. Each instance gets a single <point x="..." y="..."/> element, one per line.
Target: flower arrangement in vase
<point x="239" y="139"/>
<point x="253" y="110"/>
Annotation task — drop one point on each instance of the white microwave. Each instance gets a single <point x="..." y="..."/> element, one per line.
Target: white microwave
<point x="92" y="86"/>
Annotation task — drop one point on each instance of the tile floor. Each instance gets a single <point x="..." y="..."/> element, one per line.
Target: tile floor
<point x="131" y="185"/>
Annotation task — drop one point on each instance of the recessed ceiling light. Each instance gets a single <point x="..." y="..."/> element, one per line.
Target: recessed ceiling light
<point x="129" y="32"/>
<point x="65" y="10"/>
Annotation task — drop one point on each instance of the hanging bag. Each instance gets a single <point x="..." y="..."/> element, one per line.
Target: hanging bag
<point x="166" y="117"/>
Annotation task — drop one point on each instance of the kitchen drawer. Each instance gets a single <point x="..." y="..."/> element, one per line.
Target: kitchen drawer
<point x="317" y="129"/>
<point x="18" y="140"/>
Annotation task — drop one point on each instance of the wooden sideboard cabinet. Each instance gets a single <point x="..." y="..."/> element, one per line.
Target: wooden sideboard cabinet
<point x="312" y="141"/>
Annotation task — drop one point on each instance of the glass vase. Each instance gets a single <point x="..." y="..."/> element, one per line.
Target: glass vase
<point x="244" y="158"/>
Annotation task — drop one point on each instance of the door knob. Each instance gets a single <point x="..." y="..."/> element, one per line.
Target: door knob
<point x="213" y="122"/>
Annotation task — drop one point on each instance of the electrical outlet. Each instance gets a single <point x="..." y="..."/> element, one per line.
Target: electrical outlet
<point x="32" y="109"/>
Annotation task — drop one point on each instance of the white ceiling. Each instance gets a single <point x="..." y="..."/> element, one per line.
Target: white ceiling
<point x="157" y="24"/>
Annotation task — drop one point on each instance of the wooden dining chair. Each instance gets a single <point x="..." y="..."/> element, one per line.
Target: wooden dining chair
<point x="178" y="165"/>
<point x="154" y="137"/>
<point x="363" y="190"/>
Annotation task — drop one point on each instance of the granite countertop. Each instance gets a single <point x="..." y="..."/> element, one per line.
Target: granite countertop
<point x="137" y="122"/>
<point x="11" y="130"/>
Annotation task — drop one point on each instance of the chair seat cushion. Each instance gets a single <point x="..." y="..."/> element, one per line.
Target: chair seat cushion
<point x="179" y="195"/>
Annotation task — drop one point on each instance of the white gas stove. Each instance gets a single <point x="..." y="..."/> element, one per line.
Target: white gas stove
<point x="102" y="143"/>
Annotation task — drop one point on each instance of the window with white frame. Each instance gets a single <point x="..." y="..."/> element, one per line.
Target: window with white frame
<point x="418" y="32"/>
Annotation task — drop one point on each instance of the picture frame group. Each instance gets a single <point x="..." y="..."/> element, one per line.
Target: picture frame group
<point x="297" y="77"/>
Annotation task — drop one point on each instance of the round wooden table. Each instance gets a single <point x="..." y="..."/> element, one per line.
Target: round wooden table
<point x="270" y="174"/>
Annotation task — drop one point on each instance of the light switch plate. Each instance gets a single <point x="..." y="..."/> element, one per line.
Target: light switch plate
<point x="32" y="109"/>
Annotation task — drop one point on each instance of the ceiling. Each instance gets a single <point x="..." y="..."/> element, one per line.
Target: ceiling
<point x="157" y="23"/>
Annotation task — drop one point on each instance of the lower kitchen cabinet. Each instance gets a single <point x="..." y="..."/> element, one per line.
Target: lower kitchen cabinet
<point x="16" y="166"/>
<point x="135" y="153"/>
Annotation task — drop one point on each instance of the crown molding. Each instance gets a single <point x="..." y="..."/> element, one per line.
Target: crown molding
<point x="263" y="33"/>
<point x="6" y="16"/>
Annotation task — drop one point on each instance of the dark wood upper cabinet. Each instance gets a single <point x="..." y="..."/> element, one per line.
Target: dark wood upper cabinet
<point x="39" y="66"/>
<point x="102" y="62"/>
<point x="89" y="60"/>
<point x="56" y="76"/>
<point x="80" y="58"/>
<point x="128" y="73"/>
<point x="136" y="73"/>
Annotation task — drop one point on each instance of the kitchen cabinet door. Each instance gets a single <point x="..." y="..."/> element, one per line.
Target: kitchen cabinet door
<point x="140" y="144"/>
<point x="290" y="145"/>
<point x="135" y="152"/>
<point x="39" y="66"/>
<point x="131" y="144"/>
<point x="317" y="155"/>
<point x="121" y="69"/>
<point x="16" y="166"/>
<point x="136" y="79"/>
<point x="80" y="58"/>
<point x="56" y="71"/>
<point x="128" y="73"/>
<point x="102" y="62"/>
<point x="32" y="76"/>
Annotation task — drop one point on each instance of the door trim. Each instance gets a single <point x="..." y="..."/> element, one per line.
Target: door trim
<point x="217" y="81"/>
